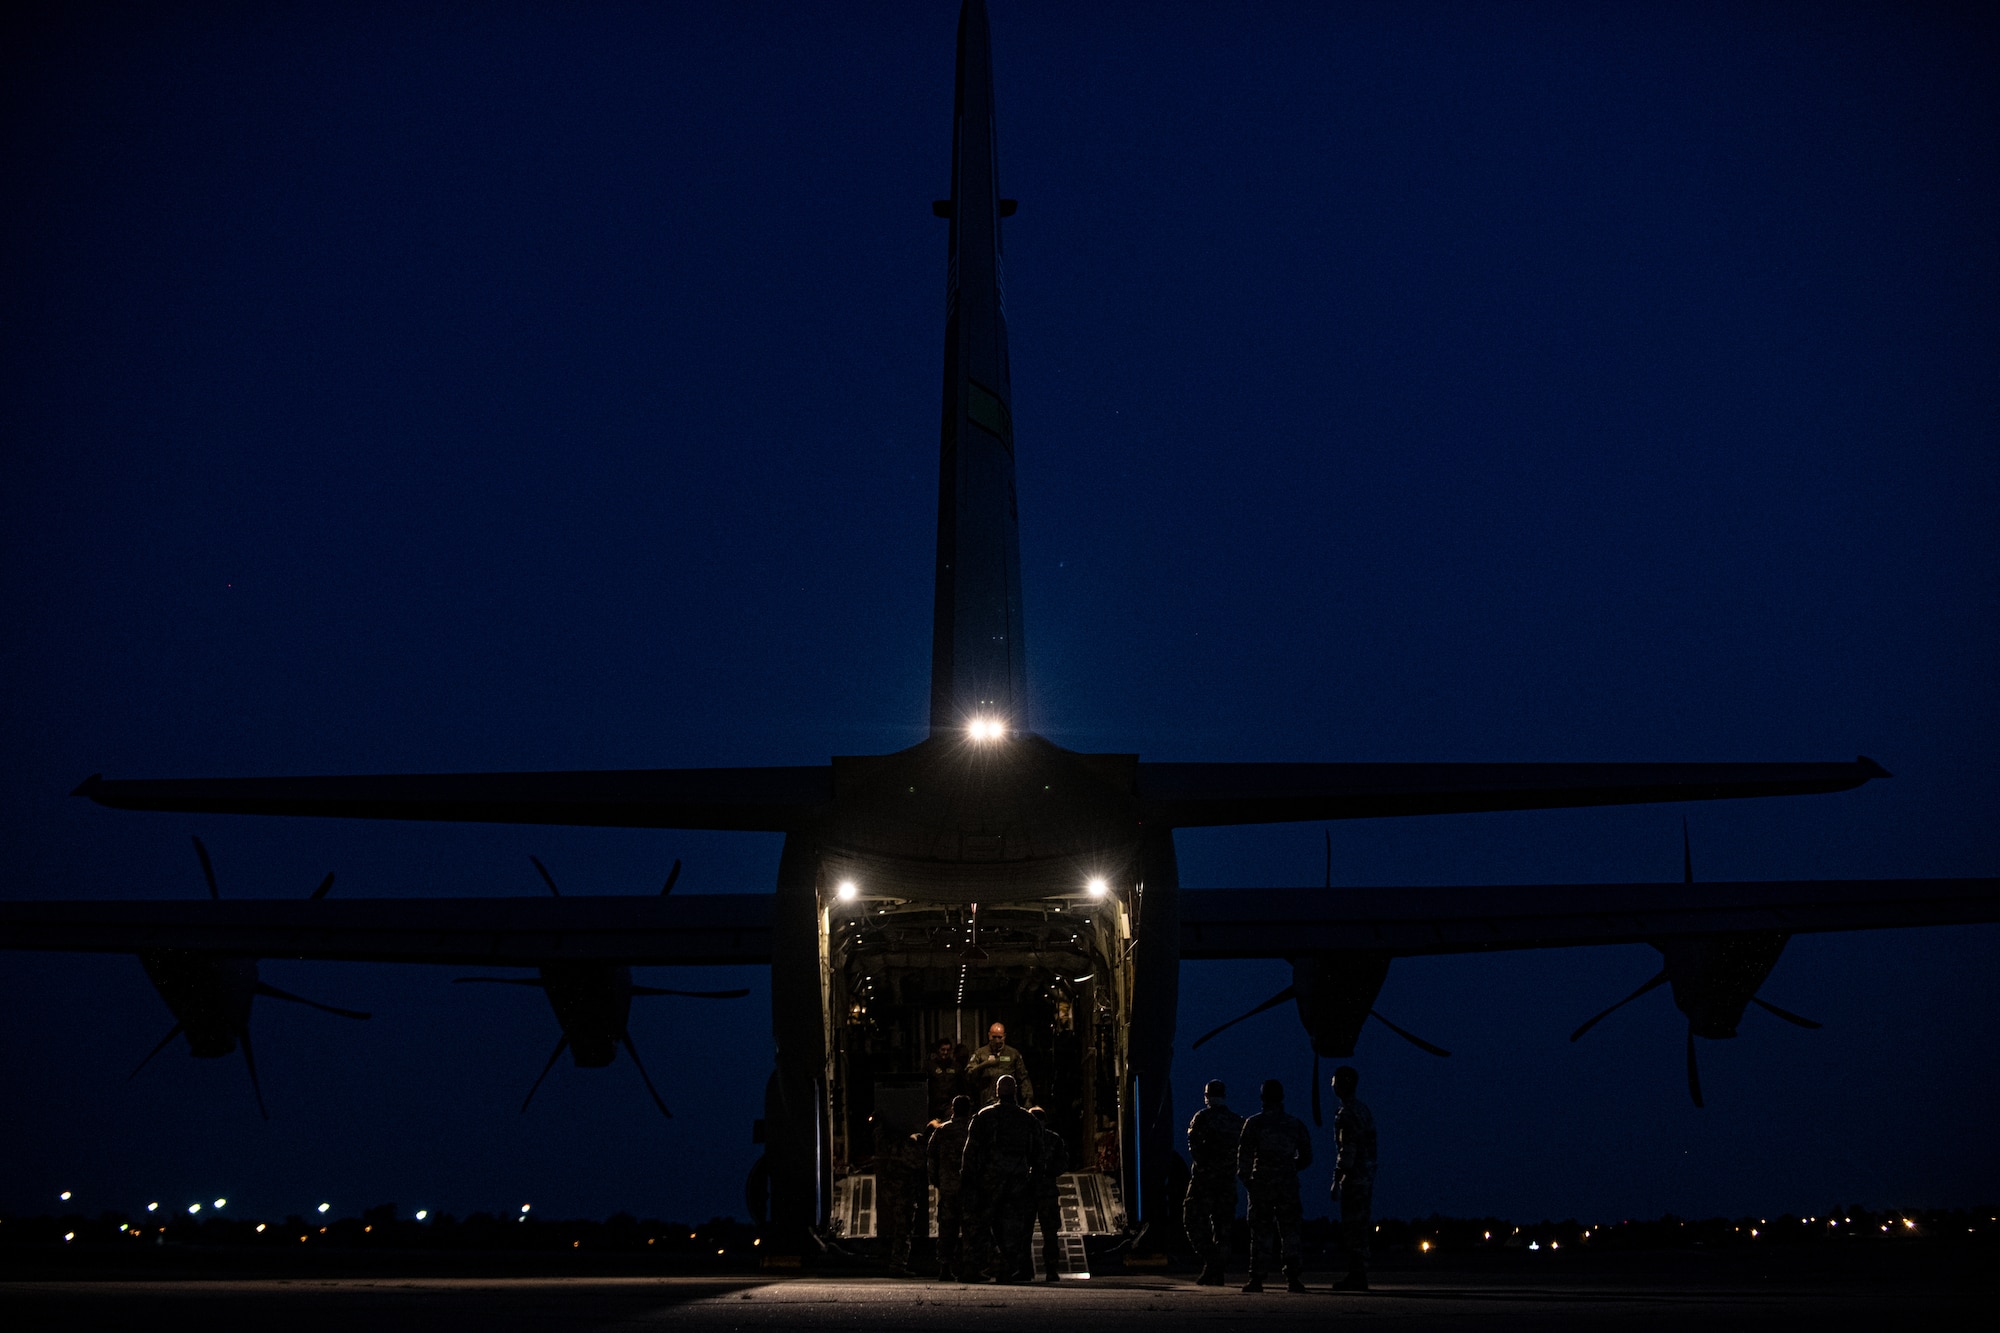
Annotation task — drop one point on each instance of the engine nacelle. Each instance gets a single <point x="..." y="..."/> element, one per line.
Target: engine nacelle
<point x="1714" y="977"/>
<point x="1335" y="993"/>
<point x="210" y="995"/>
<point x="593" y="1002"/>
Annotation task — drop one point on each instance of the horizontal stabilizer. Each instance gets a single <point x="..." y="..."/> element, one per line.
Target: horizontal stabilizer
<point x="1204" y="795"/>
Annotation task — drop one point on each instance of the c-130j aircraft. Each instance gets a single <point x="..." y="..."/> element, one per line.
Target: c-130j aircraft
<point x="984" y="873"/>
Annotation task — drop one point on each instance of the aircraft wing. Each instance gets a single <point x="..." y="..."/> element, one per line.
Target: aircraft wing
<point x="717" y="928"/>
<point x="736" y="799"/>
<point x="782" y="799"/>
<point x="1197" y="795"/>
<point x="1286" y="923"/>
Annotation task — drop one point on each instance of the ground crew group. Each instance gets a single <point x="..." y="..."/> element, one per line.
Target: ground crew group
<point x="995" y="1172"/>
<point x="1267" y="1152"/>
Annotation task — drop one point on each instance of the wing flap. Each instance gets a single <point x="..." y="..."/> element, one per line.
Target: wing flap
<point x="715" y="928"/>
<point x="1284" y="923"/>
<point x="735" y="799"/>
<point x="1199" y="795"/>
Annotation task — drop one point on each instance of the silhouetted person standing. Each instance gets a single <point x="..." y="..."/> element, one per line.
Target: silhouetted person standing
<point x="1353" y="1177"/>
<point x="1000" y="1155"/>
<point x="902" y="1193"/>
<point x="1049" y="1168"/>
<point x="1274" y="1148"/>
<point x="1213" y="1137"/>
<point x="946" y="1154"/>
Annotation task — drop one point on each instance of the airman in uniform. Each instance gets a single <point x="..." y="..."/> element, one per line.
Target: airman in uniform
<point x="991" y="1063"/>
<point x="1049" y="1169"/>
<point x="1210" y="1207"/>
<point x="902" y="1194"/>
<point x="1272" y="1151"/>
<point x="1001" y="1150"/>
<point x="1353" y="1177"/>
<point x="947" y="1079"/>
<point x="947" y="1166"/>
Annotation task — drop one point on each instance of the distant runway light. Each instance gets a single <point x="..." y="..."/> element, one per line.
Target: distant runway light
<point x="65" y="1196"/>
<point x="847" y="891"/>
<point x="260" y="1228"/>
<point x="71" y="1235"/>
<point x="1098" y="886"/>
<point x="194" y="1208"/>
<point x="423" y="1213"/>
<point x="525" y="1207"/>
<point x="152" y="1208"/>
<point x="323" y="1207"/>
<point x="221" y="1202"/>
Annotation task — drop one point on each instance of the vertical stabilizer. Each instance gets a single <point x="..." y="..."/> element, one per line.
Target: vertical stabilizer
<point x="977" y="666"/>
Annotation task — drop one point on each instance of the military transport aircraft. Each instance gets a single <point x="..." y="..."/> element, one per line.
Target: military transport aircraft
<point x="983" y="873"/>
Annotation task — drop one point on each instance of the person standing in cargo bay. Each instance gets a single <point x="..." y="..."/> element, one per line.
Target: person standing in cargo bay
<point x="991" y="1063"/>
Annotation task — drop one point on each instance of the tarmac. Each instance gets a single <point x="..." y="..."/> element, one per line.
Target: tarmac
<point x="1672" y="1296"/>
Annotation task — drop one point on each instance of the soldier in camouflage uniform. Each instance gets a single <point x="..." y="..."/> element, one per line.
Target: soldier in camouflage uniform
<point x="902" y="1194"/>
<point x="1353" y="1177"/>
<point x="1210" y="1207"/>
<point x="1001" y="1150"/>
<point x="947" y="1164"/>
<point x="947" y="1079"/>
<point x="991" y="1063"/>
<point x="1049" y="1169"/>
<point x="1274" y="1148"/>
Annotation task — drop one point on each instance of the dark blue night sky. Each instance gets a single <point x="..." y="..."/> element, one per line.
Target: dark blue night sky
<point x="459" y="387"/>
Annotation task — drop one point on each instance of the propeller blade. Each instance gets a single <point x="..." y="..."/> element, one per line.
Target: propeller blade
<point x="1315" y="1087"/>
<point x="266" y="988"/>
<point x="324" y="885"/>
<point x="1694" y="1072"/>
<point x="172" y="1032"/>
<point x="1287" y="993"/>
<point x="643" y="1078"/>
<point x="1410" y="1037"/>
<point x="499" y="981"/>
<point x="694" y="994"/>
<point x="1785" y="1014"/>
<point x="547" y="878"/>
<point x="561" y="1046"/>
<point x="207" y="869"/>
<point x="1687" y="854"/>
<point x="1660" y="980"/>
<point x="672" y="875"/>
<point x="250" y="1063"/>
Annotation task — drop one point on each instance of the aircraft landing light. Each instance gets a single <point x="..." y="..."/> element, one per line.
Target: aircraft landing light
<point x="986" y="729"/>
<point x="847" y="891"/>
<point x="1098" y="887"/>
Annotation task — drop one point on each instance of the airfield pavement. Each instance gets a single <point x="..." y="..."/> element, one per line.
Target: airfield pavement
<point x="1672" y="1297"/>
